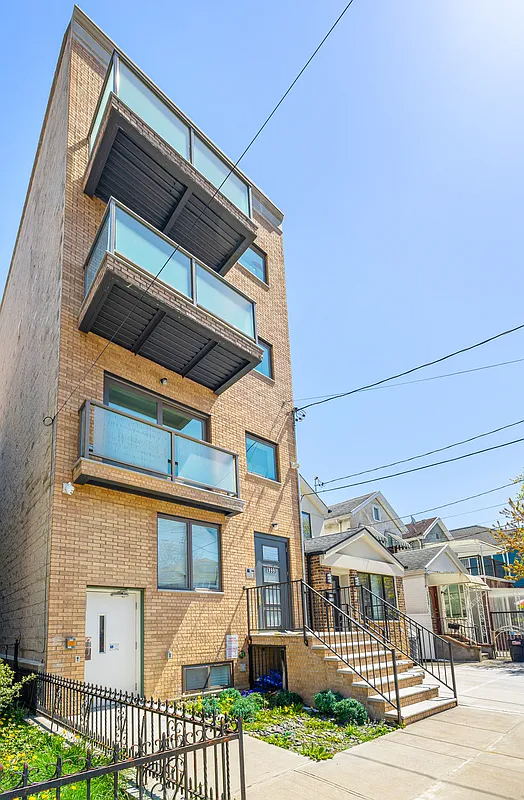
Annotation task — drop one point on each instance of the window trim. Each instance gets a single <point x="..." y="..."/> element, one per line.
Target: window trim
<point x="208" y="665"/>
<point x="276" y="479"/>
<point x="189" y="556"/>
<point x="161" y="402"/>
<point x="307" y="514"/>
<point x="269" y="347"/>
<point x="265" y="280"/>
<point x="373" y="508"/>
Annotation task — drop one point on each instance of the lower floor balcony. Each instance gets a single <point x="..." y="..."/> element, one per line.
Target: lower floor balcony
<point x="122" y="452"/>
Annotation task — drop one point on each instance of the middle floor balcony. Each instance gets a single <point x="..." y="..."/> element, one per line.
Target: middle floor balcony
<point x="120" y="451"/>
<point x="188" y="319"/>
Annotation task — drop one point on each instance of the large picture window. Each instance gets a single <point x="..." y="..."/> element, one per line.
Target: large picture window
<point x="380" y="588"/>
<point x="188" y="554"/>
<point x="145" y="405"/>
<point x="261" y="457"/>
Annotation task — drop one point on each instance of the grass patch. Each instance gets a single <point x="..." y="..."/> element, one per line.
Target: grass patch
<point x="21" y="742"/>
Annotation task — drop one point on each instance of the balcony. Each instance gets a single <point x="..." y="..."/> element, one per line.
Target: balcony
<point x="190" y="320"/>
<point x="122" y="452"/>
<point x="148" y="156"/>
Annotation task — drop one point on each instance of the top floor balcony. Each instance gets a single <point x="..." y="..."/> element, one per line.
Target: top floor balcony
<point x="147" y="294"/>
<point x="145" y="153"/>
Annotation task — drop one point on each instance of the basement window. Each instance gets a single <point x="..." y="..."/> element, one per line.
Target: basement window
<point x="202" y="677"/>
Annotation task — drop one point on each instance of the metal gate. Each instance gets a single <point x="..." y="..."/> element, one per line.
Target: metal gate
<point x="506" y="625"/>
<point x="267" y="667"/>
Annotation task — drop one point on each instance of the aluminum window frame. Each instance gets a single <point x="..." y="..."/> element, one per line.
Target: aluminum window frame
<point x="260" y="439"/>
<point x="161" y="401"/>
<point x="208" y="664"/>
<point x="269" y="347"/>
<point x="189" y="522"/>
<point x="256" y="249"/>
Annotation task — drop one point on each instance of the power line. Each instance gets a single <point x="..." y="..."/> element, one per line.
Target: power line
<point x="301" y="409"/>
<point x="417" y="469"/>
<point x="423" y="380"/>
<point x="474" y="511"/>
<point x="49" y="420"/>
<point x="423" y="455"/>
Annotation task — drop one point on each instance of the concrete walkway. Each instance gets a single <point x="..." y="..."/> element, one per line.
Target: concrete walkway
<point x="473" y="752"/>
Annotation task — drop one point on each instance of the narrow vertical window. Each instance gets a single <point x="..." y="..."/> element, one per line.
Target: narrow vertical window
<point x="102" y="633"/>
<point x="266" y="365"/>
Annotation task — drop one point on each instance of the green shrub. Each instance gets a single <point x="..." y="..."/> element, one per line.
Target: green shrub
<point x="278" y="739"/>
<point x="350" y="710"/>
<point x="257" y="699"/>
<point x="210" y="705"/>
<point x="229" y="694"/>
<point x="10" y="689"/>
<point x="326" y="701"/>
<point x="244" y="707"/>
<point x="284" y="698"/>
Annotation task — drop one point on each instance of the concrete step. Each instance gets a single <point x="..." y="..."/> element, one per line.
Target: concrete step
<point x="409" y="695"/>
<point x="385" y="669"/>
<point x="418" y="711"/>
<point x="412" y="677"/>
<point x="369" y="644"/>
<point x="370" y="656"/>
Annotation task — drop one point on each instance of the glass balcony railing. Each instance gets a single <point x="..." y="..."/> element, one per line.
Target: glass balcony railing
<point x="125" y="234"/>
<point x="117" y="438"/>
<point x="143" y="99"/>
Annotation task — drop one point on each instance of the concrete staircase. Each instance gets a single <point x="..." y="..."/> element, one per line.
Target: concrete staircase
<point x="363" y="669"/>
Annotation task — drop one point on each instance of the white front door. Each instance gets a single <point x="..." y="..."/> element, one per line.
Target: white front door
<point x="112" y="650"/>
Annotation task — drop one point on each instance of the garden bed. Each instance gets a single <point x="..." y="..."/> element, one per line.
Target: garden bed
<point x="280" y="718"/>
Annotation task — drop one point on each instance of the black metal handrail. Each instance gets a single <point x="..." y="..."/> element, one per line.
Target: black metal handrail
<point x="424" y="647"/>
<point x="458" y="627"/>
<point x="272" y="605"/>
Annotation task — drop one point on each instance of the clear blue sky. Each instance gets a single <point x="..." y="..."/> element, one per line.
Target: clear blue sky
<point x="399" y="163"/>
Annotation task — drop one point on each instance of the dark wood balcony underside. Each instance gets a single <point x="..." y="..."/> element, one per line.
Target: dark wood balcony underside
<point x="133" y="164"/>
<point x="165" y="328"/>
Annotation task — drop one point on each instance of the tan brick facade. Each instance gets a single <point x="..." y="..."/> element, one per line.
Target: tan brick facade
<point x="101" y="537"/>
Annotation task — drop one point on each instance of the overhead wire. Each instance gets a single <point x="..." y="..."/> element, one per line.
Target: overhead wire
<point x="299" y="411"/>
<point x="423" y="455"/>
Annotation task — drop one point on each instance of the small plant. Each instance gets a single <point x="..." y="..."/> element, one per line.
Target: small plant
<point x="210" y="705"/>
<point x="244" y="707"/>
<point x="318" y="752"/>
<point x="350" y="710"/>
<point x="326" y="701"/>
<point x="10" y="689"/>
<point x="284" y="698"/>
<point x="279" y="739"/>
<point x="229" y="694"/>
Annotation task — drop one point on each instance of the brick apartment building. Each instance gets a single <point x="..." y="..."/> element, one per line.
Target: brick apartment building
<point x="131" y="521"/>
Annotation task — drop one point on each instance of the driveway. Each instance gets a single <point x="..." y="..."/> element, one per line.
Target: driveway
<point x="472" y="752"/>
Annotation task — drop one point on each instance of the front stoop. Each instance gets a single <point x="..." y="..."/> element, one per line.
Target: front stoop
<point x="417" y="699"/>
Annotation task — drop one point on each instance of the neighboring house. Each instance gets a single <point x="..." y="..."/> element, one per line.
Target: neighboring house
<point x="373" y="511"/>
<point x="440" y="593"/>
<point x="426" y="531"/>
<point x="162" y="480"/>
<point x="313" y="510"/>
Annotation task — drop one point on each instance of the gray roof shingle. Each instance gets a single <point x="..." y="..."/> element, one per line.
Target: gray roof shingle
<point x="321" y="544"/>
<point x="417" y="559"/>
<point x="347" y="506"/>
<point x="474" y="532"/>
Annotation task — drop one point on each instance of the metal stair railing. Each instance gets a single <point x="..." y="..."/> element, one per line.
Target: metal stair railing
<point x="295" y="606"/>
<point x="421" y="645"/>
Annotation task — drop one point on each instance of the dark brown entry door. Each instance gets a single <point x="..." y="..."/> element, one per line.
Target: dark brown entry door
<point x="435" y="609"/>
<point x="271" y="560"/>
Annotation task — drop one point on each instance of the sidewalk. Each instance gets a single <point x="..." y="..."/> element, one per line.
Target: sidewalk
<point x="473" y="752"/>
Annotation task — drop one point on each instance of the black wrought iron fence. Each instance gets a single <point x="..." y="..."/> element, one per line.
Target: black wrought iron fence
<point x="461" y="629"/>
<point x="140" y="727"/>
<point x="184" y="772"/>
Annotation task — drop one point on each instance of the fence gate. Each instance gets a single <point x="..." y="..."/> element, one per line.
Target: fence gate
<point x="506" y="625"/>
<point x="267" y="667"/>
